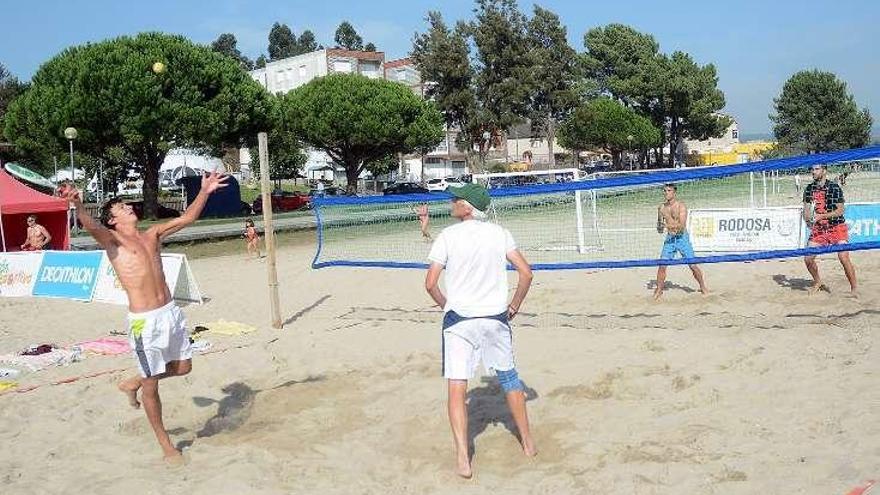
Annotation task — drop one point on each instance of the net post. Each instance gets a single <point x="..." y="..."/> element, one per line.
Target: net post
<point x="751" y="189"/>
<point x="579" y="215"/>
<point x="274" y="304"/>
<point x="764" y="182"/>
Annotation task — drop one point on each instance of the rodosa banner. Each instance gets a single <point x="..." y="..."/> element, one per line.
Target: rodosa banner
<point x="742" y="230"/>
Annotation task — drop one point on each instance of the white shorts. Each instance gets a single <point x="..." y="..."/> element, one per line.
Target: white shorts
<point x="158" y="337"/>
<point x="470" y="341"/>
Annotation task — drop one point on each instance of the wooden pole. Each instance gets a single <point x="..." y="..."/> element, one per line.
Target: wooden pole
<point x="269" y="229"/>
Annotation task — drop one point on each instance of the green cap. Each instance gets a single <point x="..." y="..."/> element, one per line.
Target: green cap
<point x="474" y="194"/>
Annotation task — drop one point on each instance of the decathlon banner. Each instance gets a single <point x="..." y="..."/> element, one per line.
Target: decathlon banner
<point x="741" y="230"/>
<point x="178" y="275"/>
<point x="18" y="271"/>
<point x="863" y="222"/>
<point x="68" y="274"/>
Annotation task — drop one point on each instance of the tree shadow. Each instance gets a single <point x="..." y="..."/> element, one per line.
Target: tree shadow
<point x="800" y="284"/>
<point x="487" y="405"/>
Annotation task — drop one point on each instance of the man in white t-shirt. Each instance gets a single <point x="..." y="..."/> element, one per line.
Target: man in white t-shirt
<point x="476" y="318"/>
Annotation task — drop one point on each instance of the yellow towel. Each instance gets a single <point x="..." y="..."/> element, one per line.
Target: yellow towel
<point x="223" y="327"/>
<point x="6" y="385"/>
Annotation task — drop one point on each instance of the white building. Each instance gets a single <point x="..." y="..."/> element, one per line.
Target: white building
<point x="281" y="76"/>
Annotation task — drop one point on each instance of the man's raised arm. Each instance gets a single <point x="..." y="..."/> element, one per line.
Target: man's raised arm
<point x="101" y="234"/>
<point x="210" y="183"/>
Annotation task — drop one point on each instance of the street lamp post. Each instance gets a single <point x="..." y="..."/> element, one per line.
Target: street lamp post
<point x="629" y="139"/>
<point x="70" y="133"/>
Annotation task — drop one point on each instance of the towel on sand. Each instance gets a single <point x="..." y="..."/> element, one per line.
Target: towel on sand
<point x="106" y="345"/>
<point x="58" y="357"/>
<point x="223" y="327"/>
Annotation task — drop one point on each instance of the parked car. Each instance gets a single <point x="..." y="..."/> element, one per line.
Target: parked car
<point x="440" y="184"/>
<point x="285" y="201"/>
<point x="404" y="188"/>
<point x="329" y="191"/>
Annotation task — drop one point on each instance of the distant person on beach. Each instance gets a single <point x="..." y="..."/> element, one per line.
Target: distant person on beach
<point x="157" y="327"/>
<point x="37" y="235"/>
<point x="252" y="238"/>
<point x="476" y="321"/>
<point x="672" y="219"/>
<point x="823" y="212"/>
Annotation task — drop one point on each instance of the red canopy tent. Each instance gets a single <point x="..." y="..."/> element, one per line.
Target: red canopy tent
<point x="17" y="201"/>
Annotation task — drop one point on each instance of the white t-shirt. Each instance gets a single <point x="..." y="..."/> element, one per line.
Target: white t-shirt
<point x="474" y="254"/>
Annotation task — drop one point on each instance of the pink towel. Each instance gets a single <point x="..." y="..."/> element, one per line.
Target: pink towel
<point x="106" y="345"/>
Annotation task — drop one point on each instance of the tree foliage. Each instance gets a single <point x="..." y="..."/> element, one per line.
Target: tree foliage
<point x="125" y="112"/>
<point x="370" y="47"/>
<point x="555" y="74"/>
<point x="227" y="44"/>
<point x="816" y="113"/>
<point x="307" y="42"/>
<point x="347" y="37"/>
<point x="10" y="88"/>
<point x="282" y="42"/>
<point x="359" y="122"/>
<point x="680" y="97"/>
<point x="608" y="124"/>
<point x="486" y="92"/>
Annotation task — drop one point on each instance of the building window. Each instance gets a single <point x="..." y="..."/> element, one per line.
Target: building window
<point x="735" y="133"/>
<point x="342" y="66"/>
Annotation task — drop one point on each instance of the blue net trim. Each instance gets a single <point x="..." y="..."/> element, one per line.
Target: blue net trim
<point x="593" y="265"/>
<point x="648" y="177"/>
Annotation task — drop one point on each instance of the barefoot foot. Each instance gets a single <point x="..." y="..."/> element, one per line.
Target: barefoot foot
<point x="463" y="468"/>
<point x="174" y="459"/>
<point x="131" y="394"/>
<point x="819" y="287"/>
<point x="529" y="448"/>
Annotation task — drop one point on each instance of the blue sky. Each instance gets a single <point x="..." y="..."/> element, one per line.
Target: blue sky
<point x="755" y="45"/>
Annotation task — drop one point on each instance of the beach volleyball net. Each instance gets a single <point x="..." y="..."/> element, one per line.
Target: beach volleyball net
<point x="568" y="219"/>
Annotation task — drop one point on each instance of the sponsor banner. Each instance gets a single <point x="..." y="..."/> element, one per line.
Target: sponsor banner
<point x="18" y="272"/>
<point x="863" y="221"/>
<point x="68" y="274"/>
<point x="741" y="230"/>
<point x="177" y="274"/>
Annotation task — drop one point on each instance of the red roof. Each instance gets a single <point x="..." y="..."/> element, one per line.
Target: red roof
<point x="17" y="198"/>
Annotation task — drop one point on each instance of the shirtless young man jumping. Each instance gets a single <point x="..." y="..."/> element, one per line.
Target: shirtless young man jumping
<point x="672" y="217"/>
<point x="157" y="328"/>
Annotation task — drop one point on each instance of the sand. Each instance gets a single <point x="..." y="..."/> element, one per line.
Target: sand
<point x="758" y="388"/>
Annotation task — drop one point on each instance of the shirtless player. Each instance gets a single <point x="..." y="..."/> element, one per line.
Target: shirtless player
<point x="157" y="328"/>
<point x="672" y="217"/>
<point x="37" y="235"/>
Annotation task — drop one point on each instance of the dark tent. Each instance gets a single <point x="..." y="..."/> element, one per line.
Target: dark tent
<point x="225" y="202"/>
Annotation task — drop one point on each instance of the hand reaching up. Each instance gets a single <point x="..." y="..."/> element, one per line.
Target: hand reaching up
<point x="214" y="181"/>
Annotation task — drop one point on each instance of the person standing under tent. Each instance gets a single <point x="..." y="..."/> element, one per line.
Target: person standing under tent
<point x="476" y="322"/>
<point x="823" y="212"/>
<point x="157" y="327"/>
<point x="672" y="218"/>
<point x="37" y="235"/>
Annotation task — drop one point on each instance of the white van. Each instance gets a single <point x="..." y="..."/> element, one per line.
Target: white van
<point x="440" y="184"/>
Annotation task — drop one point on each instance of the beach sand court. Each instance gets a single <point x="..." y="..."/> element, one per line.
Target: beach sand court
<point x="758" y="388"/>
